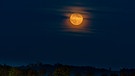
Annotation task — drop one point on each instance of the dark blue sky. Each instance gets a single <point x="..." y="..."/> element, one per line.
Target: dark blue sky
<point x="33" y="30"/>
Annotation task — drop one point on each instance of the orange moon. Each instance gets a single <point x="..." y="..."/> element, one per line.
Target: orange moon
<point x="76" y="19"/>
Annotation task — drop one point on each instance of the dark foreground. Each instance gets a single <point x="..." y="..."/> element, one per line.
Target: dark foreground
<point x="40" y="69"/>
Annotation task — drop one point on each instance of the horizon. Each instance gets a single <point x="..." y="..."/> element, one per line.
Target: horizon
<point x="53" y="64"/>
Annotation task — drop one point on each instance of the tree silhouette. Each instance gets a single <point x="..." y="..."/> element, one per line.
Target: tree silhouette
<point x="41" y="72"/>
<point x="123" y="72"/>
<point x="89" y="73"/>
<point x="104" y="74"/>
<point x="78" y="74"/>
<point x="31" y="72"/>
<point x="12" y="72"/>
<point x="114" y="74"/>
<point x="50" y="74"/>
<point x="62" y="71"/>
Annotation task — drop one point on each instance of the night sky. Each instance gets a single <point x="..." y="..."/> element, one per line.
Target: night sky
<point x="36" y="30"/>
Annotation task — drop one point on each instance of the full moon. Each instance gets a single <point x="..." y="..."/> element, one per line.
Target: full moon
<point x="76" y="19"/>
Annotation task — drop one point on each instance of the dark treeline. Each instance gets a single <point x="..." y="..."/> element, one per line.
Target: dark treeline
<point x="40" y="69"/>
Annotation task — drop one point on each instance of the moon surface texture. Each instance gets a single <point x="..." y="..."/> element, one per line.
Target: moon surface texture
<point x="76" y="19"/>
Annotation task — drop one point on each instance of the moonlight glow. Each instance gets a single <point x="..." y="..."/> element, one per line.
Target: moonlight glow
<point x="76" y="19"/>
